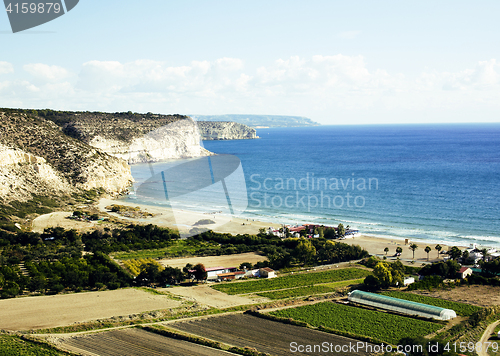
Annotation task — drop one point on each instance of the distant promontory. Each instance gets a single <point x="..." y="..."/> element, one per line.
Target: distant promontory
<point x="260" y="121"/>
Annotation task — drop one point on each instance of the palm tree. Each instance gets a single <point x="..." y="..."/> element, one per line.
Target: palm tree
<point x="386" y="250"/>
<point x="438" y="249"/>
<point x="484" y="252"/>
<point x="413" y="247"/>
<point x="428" y="249"/>
<point x="399" y="250"/>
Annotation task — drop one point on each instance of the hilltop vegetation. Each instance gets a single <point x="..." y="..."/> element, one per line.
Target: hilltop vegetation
<point x="260" y="120"/>
<point x="42" y="168"/>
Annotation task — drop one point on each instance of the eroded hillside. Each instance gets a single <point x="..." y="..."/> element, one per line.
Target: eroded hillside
<point x="38" y="159"/>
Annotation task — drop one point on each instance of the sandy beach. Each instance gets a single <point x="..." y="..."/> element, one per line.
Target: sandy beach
<point x="376" y="246"/>
<point x="184" y="220"/>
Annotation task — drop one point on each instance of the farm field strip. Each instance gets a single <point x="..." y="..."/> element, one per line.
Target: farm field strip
<point x="290" y="281"/>
<point x="308" y="290"/>
<point x="177" y="247"/>
<point x="382" y="326"/>
<point x="244" y="330"/>
<point x="66" y="309"/>
<point x="137" y="342"/>
<point x="462" y="309"/>
<point x="13" y="345"/>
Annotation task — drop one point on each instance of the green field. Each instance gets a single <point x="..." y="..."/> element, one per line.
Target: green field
<point x="178" y="248"/>
<point x="308" y="290"/>
<point x="459" y="308"/>
<point x="357" y="321"/>
<point x="14" y="346"/>
<point x="297" y="292"/>
<point x="291" y="281"/>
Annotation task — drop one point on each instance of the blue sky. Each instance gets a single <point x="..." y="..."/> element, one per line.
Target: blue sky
<point x="335" y="62"/>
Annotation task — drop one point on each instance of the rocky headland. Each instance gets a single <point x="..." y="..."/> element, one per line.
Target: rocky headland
<point x="225" y="130"/>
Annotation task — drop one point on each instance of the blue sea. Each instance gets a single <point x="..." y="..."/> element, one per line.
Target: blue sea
<point x="434" y="183"/>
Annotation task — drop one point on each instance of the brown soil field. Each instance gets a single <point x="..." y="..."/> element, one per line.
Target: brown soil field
<point x="264" y="335"/>
<point x="135" y="342"/>
<point x="215" y="261"/>
<point x="203" y="294"/>
<point x="65" y="309"/>
<point x="59" y="219"/>
<point x="475" y="294"/>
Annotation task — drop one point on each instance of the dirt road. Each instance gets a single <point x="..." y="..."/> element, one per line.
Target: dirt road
<point x="486" y="336"/>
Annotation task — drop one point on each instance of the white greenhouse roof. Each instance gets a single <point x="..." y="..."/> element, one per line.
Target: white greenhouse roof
<point x="401" y="305"/>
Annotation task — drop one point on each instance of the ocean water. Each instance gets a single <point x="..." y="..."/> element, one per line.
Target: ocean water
<point x="435" y="183"/>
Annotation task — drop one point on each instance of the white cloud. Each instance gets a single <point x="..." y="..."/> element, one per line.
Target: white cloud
<point x="46" y="72"/>
<point x="484" y="76"/>
<point x="6" y="67"/>
<point x="319" y="86"/>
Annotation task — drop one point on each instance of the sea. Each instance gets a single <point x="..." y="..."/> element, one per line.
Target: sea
<point x="437" y="183"/>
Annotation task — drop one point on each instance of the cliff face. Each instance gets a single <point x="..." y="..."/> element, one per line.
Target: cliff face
<point x="136" y="138"/>
<point x="225" y="130"/>
<point x="55" y="153"/>
<point x="37" y="158"/>
<point x="23" y="174"/>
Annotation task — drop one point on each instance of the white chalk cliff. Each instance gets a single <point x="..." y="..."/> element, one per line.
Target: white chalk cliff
<point x="179" y="139"/>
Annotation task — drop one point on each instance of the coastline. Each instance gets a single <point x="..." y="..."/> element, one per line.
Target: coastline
<point x="375" y="245"/>
<point x="164" y="217"/>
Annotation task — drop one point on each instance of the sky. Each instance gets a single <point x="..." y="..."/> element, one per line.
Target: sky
<point x="335" y="62"/>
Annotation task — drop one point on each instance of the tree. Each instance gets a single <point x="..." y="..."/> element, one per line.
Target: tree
<point x="383" y="274"/>
<point x="484" y="252"/>
<point x="246" y="265"/>
<point x="150" y="273"/>
<point x="186" y="269"/>
<point x="438" y="249"/>
<point x="465" y="256"/>
<point x="386" y="250"/>
<point x="455" y="252"/>
<point x="340" y="230"/>
<point x="330" y="233"/>
<point x="399" y="250"/>
<point x="428" y="249"/>
<point x="199" y="272"/>
<point x="171" y="275"/>
<point x="491" y="268"/>
<point x="305" y="252"/>
<point x="413" y="247"/>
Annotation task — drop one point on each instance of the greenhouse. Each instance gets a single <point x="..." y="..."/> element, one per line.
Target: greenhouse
<point x="400" y="305"/>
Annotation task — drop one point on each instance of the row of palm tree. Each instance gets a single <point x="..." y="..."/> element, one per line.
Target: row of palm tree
<point x="454" y="251"/>
<point x="414" y="247"/>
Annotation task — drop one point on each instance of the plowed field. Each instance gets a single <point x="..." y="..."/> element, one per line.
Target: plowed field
<point x="136" y="342"/>
<point x="264" y="335"/>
